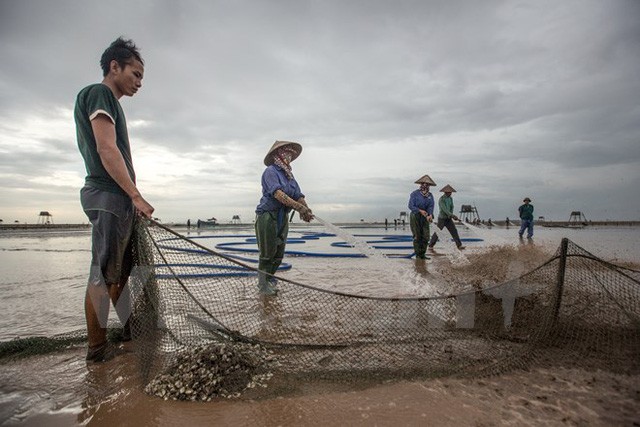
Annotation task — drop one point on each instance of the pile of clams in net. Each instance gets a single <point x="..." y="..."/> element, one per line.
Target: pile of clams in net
<point x="213" y="371"/>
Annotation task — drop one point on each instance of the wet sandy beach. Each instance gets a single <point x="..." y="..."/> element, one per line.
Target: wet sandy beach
<point x="60" y="389"/>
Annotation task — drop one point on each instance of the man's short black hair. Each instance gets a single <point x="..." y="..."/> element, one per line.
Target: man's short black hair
<point x="121" y="50"/>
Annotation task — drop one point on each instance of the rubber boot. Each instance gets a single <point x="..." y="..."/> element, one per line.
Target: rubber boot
<point x="263" y="285"/>
<point x="416" y="248"/>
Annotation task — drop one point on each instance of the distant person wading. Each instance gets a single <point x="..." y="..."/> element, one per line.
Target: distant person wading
<point x="526" y="218"/>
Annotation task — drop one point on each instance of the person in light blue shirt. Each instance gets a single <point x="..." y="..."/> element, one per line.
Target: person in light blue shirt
<point x="280" y="194"/>
<point x="421" y="206"/>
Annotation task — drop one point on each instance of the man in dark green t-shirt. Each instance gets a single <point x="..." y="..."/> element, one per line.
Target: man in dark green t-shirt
<point x="109" y="197"/>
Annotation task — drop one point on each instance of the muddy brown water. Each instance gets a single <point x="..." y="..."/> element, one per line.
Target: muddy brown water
<point x="60" y="389"/>
<point x="42" y="284"/>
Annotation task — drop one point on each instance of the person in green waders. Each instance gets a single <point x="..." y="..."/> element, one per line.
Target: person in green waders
<point x="421" y="206"/>
<point x="280" y="194"/>
<point x="446" y="217"/>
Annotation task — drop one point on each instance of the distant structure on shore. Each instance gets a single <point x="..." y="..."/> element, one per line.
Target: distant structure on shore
<point x="45" y="218"/>
<point x="577" y="218"/>
<point x="469" y="213"/>
<point x="208" y="223"/>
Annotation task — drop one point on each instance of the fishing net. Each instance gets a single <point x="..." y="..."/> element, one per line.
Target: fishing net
<point x="204" y="330"/>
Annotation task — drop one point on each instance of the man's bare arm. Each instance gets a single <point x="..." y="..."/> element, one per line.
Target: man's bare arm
<point x="105" y="133"/>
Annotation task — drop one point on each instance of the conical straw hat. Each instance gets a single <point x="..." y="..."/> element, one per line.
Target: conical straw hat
<point x="426" y="179"/>
<point x="447" y="189"/>
<point x="268" y="159"/>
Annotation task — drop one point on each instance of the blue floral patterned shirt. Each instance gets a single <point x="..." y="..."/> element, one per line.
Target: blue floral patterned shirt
<point x="274" y="178"/>
<point x="418" y="201"/>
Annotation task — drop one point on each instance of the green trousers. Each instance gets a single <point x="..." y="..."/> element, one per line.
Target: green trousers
<point x="272" y="238"/>
<point x="420" y="230"/>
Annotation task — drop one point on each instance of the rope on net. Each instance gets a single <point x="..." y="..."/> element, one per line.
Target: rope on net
<point x="199" y="320"/>
<point x="316" y="332"/>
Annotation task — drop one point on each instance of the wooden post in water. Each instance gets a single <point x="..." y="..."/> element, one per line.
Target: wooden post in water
<point x="560" y="281"/>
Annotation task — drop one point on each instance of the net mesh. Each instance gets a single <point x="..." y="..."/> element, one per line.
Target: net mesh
<point x="203" y="330"/>
<point x="198" y="309"/>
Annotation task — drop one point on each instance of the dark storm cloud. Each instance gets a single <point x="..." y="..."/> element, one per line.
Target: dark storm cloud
<point x="498" y="97"/>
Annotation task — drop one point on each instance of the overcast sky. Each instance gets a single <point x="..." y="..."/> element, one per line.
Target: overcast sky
<point x="500" y="99"/>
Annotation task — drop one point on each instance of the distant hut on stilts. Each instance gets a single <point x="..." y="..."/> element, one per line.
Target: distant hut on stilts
<point x="45" y="218"/>
<point x="469" y="213"/>
<point x="577" y="219"/>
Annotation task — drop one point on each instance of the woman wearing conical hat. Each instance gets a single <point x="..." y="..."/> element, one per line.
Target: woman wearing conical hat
<point x="421" y="206"/>
<point x="280" y="194"/>
<point x="446" y="217"/>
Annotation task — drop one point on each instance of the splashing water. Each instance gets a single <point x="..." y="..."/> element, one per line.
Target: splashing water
<point x="489" y="238"/>
<point x="363" y="247"/>
<point x="415" y="283"/>
<point x="454" y="255"/>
